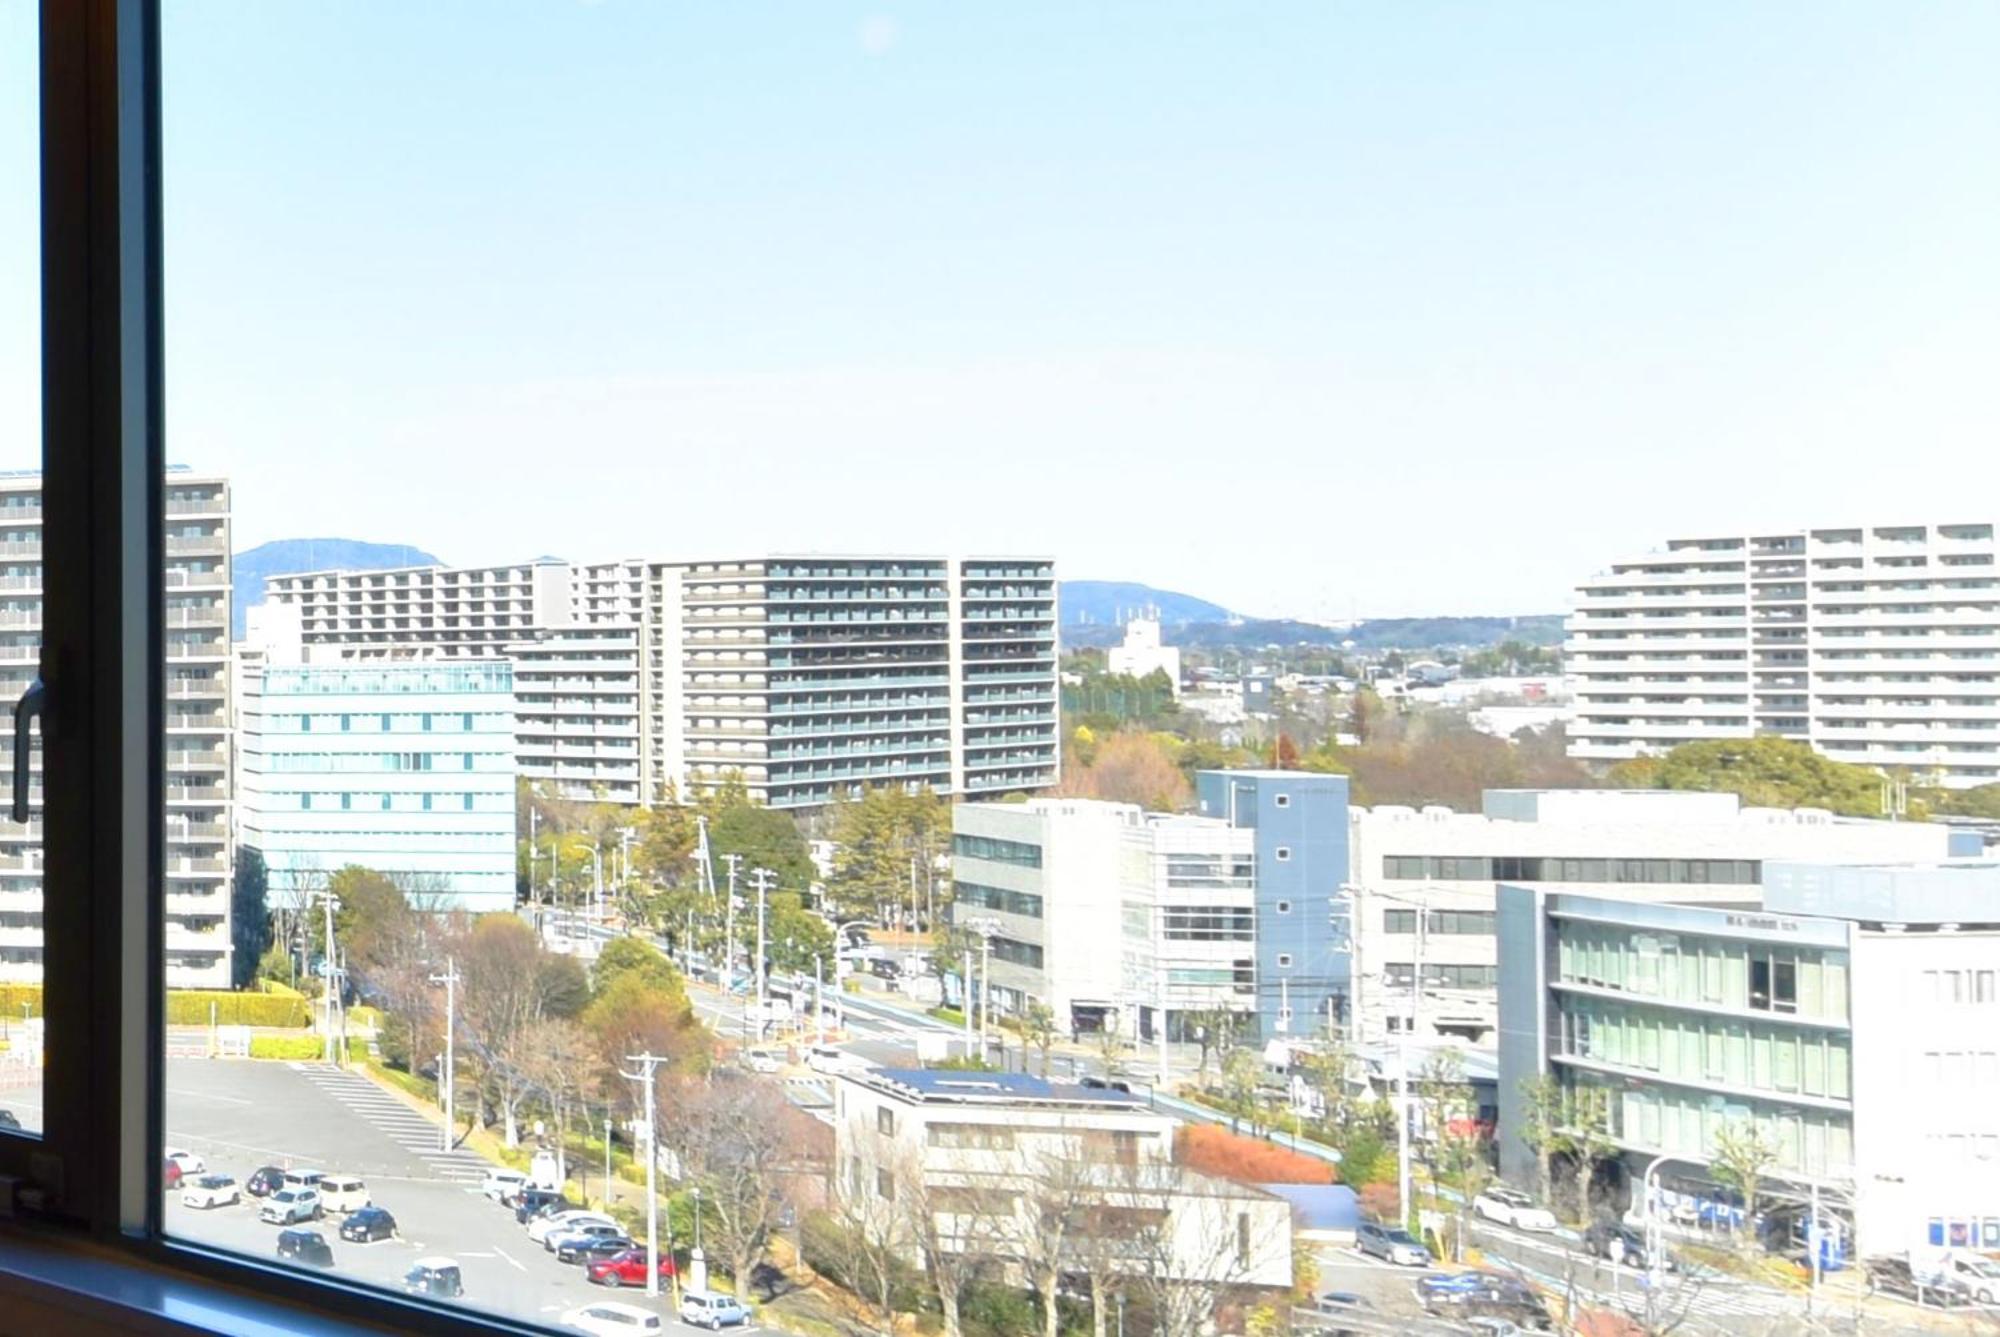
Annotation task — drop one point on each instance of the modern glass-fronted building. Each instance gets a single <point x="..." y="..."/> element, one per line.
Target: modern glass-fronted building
<point x="407" y="769"/>
<point x="1853" y="1019"/>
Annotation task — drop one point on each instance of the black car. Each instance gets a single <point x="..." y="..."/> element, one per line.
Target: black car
<point x="1619" y="1243"/>
<point x="265" y="1180"/>
<point x="536" y="1202"/>
<point x="590" y="1251"/>
<point x="367" y="1225"/>
<point x="307" y="1248"/>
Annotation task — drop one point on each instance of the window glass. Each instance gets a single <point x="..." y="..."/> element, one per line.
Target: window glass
<point x="21" y="881"/>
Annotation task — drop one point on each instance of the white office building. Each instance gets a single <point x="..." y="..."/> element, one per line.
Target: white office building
<point x="1875" y="644"/>
<point x="989" y="1151"/>
<point x="1143" y="654"/>
<point x="1646" y="844"/>
<point x="199" y="856"/>
<point x="1852" y="1018"/>
<point x="403" y="768"/>
<point x="808" y="677"/>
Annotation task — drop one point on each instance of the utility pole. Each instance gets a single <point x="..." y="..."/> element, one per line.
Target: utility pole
<point x="648" y="1062"/>
<point x="626" y="835"/>
<point x="331" y="977"/>
<point x="729" y="930"/>
<point x="450" y="982"/>
<point x="761" y="879"/>
<point x="819" y="1003"/>
<point x="534" y="821"/>
<point x="913" y="893"/>
<point x="966" y="978"/>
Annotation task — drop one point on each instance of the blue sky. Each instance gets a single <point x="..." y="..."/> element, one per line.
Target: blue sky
<point x="1317" y="309"/>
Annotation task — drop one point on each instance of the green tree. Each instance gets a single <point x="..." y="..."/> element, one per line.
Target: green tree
<point x="1039" y="1027"/>
<point x="1765" y="772"/>
<point x="249" y="916"/>
<point x="886" y="847"/>
<point x="764" y="837"/>
<point x="639" y="959"/>
<point x="794" y="935"/>
<point x="1740" y="1159"/>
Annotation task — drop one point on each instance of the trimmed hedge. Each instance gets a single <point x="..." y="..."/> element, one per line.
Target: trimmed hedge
<point x="294" y="1048"/>
<point x="190" y="1007"/>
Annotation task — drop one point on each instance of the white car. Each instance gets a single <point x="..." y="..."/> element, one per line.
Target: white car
<point x="1511" y="1207"/>
<point x="542" y="1227"/>
<point x="289" y="1206"/>
<point x="582" y="1232"/>
<point x="761" y="1060"/>
<point x="210" y="1191"/>
<point x="190" y="1163"/>
<point x="609" y="1317"/>
<point x="501" y="1185"/>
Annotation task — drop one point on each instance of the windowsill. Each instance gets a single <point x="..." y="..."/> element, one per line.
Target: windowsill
<point x="49" y="1283"/>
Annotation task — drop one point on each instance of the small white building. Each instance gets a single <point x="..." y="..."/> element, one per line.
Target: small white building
<point x="1649" y="844"/>
<point x="1142" y="654"/>
<point x="994" y="1153"/>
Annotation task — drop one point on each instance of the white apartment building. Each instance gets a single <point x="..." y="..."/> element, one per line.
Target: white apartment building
<point x="810" y="677"/>
<point x="1654" y="845"/>
<point x="992" y="1151"/>
<point x="1875" y="644"/>
<point x="580" y="712"/>
<point x="405" y="768"/>
<point x="1853" y="1017"/>
<point x="199" y="855"/>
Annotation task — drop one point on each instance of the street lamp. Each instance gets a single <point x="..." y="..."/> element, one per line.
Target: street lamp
<point x="985" y="927"/>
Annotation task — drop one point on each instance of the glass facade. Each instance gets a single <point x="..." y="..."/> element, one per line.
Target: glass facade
<point x="1806" y="982"/>
<point x="995" y="850"/>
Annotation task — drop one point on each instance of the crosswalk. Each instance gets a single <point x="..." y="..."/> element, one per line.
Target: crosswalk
<point x="396" y="1121"/>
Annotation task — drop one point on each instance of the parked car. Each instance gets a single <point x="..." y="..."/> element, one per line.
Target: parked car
<point x="1441" y="1290"/>
<point x="190" y="1163"/>
<point x="368" y="1224"/>
<point x="307" y="1248"/>
<point x="761" y="1060"/>
<point x="582" y="1232"/>
<point x="9" y="1121"/>
<point x="264" y="1180"/>
<point x="1343" y="1302"/>
<point x="210" y="1191"/>
<point x="592" y="1250"/>
<point x="438" y="1277"/>
<point x="609" y="1318"/>
<point x="170" y="1175"/>
<point x="342" y="1193"/>
<point x="289" y="1205"/>
<point x="1511" y="1207"/>
<point x="1617" y="1242"/>
<point x="303" y="1178"/>
<point x="556" y="1223"/>
<point x="503" y="1185"/>
<point x="1390" y="1245"/>
<point x="1977" y="1275"/>
<point x="532" y="1202"/>
<point x="627" y="1269"/>
<point x="706" y="1309"/>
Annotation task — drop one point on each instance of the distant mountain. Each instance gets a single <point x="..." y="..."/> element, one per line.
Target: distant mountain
<point x="1388" y="633"/>
<point x="1111" y="603"/>
<point x="1425" y="633"/>
<point x="282" y="557"/>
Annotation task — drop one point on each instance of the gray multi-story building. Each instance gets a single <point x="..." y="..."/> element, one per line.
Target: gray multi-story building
<point x="1850" y="1019"/>
<point x="808" y="677"/>
<point x="196" y="720"/>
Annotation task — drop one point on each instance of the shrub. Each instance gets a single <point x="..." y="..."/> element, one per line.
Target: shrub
<point x="293" y="1048"/>
<point x="987" y="1310"/>
<point x="1217" y="1151"/>
<point x="191" y="1007"/>
<point x="12" y="996"/>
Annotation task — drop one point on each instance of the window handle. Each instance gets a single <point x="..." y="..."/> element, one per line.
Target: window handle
<point x="32" y="704"/>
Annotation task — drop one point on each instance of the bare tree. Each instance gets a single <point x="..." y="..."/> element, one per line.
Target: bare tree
<point x="1741" y="1157"/>
<point x="1056" y="1193"/>
<point x="738" y="1143"/>
<point x="869" y="1237"/>
<point x="1038" y="1023"/>
<point x="559" y="1060"/>
<point x="1192" y="1242"/>
<point x="501" y="1000"/>
<point x="957" y="1228"/>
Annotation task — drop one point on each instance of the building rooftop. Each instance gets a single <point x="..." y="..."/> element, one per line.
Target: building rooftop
<point x="956" y="1086"/>
<point x="1962" y="892"/>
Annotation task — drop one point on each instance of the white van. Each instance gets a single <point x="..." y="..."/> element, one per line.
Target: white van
<point x="501" y="1185"/>
<point x="298" y="1179"/>
<point x="829" y="1059"/>
<point x="342" y="1193"/>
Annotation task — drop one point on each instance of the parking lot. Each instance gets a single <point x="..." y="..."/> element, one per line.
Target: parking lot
<point x="240" y="1115"/>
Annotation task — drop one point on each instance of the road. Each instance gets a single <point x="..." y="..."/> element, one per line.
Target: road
<point x="240" y="1114"/>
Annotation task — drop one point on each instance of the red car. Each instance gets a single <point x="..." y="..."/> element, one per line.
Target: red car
<point x="170" y="1179"/>
<point x="628" y="1269"/>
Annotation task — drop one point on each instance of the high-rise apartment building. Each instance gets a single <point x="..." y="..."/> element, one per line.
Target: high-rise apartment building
<point x="1875" y="644"/>
<point x="197" y="780"/>
<point x="810" y="677"/>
